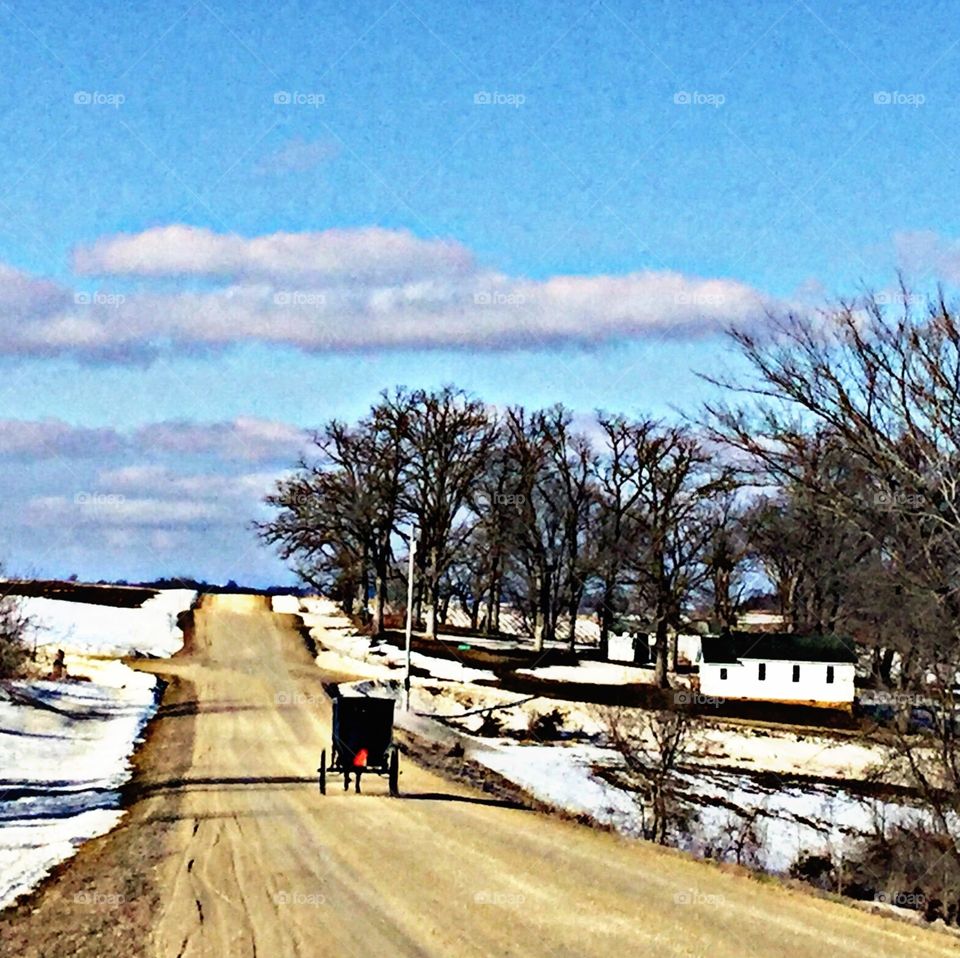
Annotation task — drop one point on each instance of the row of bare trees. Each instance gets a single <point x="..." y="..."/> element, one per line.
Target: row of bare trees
<point x="529" y="509"/>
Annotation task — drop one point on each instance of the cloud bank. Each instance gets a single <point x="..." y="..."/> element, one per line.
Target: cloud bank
<point x="242" y="440"/>
<point x="172" y="497"/>
<point x="338" y="290"/>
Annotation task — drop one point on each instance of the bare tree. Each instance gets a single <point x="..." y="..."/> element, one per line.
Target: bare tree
<point x="653" y="745"/>
<point x="337" y="515"/>
<point x="448" y="439"/>
<point x="551" y="469"/>
<point x="677" y="482"/>
<point x="616" y="539"/>
<point x="572" y="465"/>
<point x="14" y="627"/>
<point x="881" y="384"/>
<point x="725" y="557"/>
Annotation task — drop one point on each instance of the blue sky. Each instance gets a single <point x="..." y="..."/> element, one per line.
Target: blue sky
<point x="255" y="217"/>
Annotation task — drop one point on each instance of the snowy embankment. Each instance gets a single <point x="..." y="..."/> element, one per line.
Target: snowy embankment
<point x="65" y="745"/>
<point x="340" y="649"/>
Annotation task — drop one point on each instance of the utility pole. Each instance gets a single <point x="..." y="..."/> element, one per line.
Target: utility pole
<point x="406" y="677"/>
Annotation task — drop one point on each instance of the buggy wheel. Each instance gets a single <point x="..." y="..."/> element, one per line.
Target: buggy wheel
<point x="394" y="771"/>
<point x="323" y="772"/>
<point x="357" y="786"/>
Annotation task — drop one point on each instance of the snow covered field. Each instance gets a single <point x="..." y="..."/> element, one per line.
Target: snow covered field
<point x="65" y="745"/>
<point x="793" y="818"/>
<point x="83" y="628"/>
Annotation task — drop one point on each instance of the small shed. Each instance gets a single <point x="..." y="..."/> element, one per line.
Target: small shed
<point x="814" y="670"/>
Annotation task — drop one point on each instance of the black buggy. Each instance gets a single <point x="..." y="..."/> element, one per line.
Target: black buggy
<point x="362" y="741"/>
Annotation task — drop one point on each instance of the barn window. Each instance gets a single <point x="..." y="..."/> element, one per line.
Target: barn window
<point x="796" y="673"/>
<point x="762" y="671"/>
<point x="723" y="673"/>
<point x="829" y="675"/>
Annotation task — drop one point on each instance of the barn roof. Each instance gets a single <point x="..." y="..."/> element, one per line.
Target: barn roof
<point x="788" y="646"/>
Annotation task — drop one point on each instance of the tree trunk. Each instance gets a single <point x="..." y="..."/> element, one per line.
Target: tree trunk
<point x="886" y="667"/>
<point x="660" y="654"/>
<point x="431" y="612"/>
<point x="574" y="614"/>
<point x="606" y="620"/>
<point x="493" y="594"/>
<point x="380" y="601"/>
<point x="444" y="605"/>
<point x="363" y="587"/>
<point x="541" y="617"/>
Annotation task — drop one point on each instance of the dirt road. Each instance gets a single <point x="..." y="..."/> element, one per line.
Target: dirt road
<point x="257" y="863"/>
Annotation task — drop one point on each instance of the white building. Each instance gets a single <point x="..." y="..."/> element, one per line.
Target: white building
<point x="779" y="667"/>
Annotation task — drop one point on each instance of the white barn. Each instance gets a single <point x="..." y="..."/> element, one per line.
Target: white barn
<point x="814" y="670"/>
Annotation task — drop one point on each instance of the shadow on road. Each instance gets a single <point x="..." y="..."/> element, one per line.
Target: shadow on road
<point x="466" y="799"/>
<point x="190" y="707"/>
<point x="209" y="784"/>
<point x="148" y="789"/>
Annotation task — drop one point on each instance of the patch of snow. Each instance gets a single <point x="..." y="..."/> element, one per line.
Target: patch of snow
<point x="812" y="818"/>
<point x="593" y="673"/>
<point x="340" y="648"/>
<point x="111" y="631"/>
<point x="63" y="760"/>
<point x="65" y="745"/>
<point x="286" y="604"/>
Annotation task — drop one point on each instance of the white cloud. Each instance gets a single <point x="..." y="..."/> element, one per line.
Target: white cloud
<point x="51" y="438"/>
<point x="163" y="482"/>
<point x="922" y="253"/>
<point x="22" y="295"/>
<point x="245" y="439"/>
<point x="345" y="290"/>
<point x="107" y="509"/>
<point x="370" y="254"/>
<point x="298" y="156"/>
